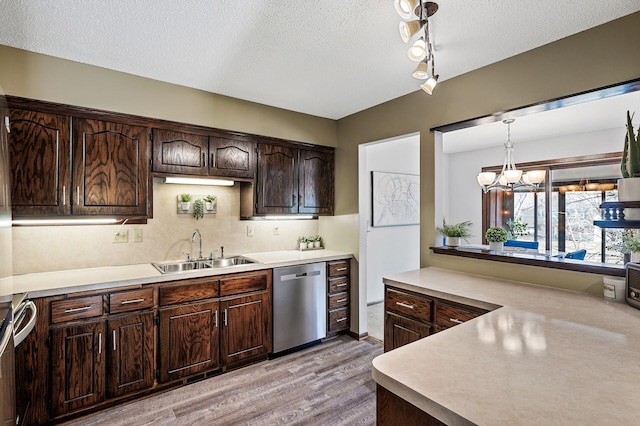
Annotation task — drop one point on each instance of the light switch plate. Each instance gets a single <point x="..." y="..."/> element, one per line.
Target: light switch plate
<point x="137" y="235"/>
<point x="249" y="231"/>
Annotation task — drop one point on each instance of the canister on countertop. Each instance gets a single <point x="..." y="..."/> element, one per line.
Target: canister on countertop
<point x="614" y="288"/>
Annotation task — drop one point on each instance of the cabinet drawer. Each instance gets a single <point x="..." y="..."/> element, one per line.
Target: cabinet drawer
<point x="338" y="285"/>
<point x="409" y="305"/>
<point x="125" y="301"/>
<point x="187" y="292"/>
<point x="79" y="307"/>
<point x="243" y="284"/>
<point x="341" y="267"/>
<point x="338" y="319"/>
<point x="338" y="300"/>
<point x="449" y="315"/>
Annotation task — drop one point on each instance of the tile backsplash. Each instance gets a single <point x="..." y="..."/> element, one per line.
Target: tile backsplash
<point x="165" y="237"/>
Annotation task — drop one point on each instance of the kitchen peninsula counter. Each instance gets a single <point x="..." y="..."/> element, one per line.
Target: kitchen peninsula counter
<point x="541" y="356"/>
<point x="44" y="284"/>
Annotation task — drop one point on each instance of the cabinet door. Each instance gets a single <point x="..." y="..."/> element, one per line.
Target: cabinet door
<point x="130" y="366"/>
<point x="188" y="340"/>
<point x="399" y="331"/>
<point x="177" y="152"/>
<point x="111" y="168"/>
<point x="39" y="146"/>
<point x="231" y="158"/>
<point x="277" y="183"/>
<point x="246" y="328"/>
<point x="316" y="186"/>
<point x="77" y="367"/>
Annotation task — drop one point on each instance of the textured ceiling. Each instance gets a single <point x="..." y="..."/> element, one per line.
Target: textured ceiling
<point x="329" y="58"/>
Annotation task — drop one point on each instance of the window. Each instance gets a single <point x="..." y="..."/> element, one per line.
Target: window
<point x="560" y="214"/>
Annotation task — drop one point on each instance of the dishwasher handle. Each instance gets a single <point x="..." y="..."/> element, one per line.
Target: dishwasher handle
<point x="22" y="334"/>
<point x="300" y="275"/>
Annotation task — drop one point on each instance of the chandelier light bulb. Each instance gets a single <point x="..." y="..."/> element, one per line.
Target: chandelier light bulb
<point x="486" y="178"/>
<point x="536" y="176"/>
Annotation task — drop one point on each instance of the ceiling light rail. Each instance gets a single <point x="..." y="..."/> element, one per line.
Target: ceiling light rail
<point x="422" y="50"/>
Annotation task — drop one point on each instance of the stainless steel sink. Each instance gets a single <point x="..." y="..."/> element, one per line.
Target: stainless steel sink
<point x="230" y="261"/>
<point x="184" y="266"/>
<point x="173" y="267"/>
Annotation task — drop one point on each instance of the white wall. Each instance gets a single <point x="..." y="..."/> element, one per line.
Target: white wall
<point x="391" y="249"/>
<point x="464" y="201"/>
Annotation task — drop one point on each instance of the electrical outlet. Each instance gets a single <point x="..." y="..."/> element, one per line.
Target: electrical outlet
<point x="276" y="229"/>
<point x="122" y="236"/>
<point x="249" y="231"/>
<point x="137" y="235"/>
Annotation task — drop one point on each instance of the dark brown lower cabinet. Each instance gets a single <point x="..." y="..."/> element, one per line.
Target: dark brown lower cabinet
<point x="77" y="367"/>
<point x="130" y="360"/>
<point x="392" y="410"/>
<point x="188" y="340"/>
<point x="399" y="331"/>
<point x="246" y="325"/>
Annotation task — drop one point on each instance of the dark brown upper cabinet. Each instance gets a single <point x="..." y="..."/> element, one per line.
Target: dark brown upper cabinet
<point x="232" y="158"/>
<point x="292" y="180"/>
<point x="185" y="153"/>
<point x="180" y="153"/>
<point x="39" y="146"/>
<point x="110" y="168"/>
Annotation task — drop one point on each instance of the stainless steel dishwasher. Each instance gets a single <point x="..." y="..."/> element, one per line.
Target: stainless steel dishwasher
<point x="299" y="305"/>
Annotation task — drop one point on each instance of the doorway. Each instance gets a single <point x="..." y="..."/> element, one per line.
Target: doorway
<point x="389" y="249"/>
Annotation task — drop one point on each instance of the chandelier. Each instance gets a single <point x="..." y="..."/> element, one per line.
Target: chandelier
<point x="421" y="51"/>
<point x="510" y="177"/>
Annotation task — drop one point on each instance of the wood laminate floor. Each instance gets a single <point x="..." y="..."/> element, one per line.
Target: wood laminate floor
<point x="327" y="384"/>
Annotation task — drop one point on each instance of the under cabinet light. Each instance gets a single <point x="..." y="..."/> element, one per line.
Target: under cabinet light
<point x="36" y="222"/>
<point x="197" y="181"/>
<point x="292" y="217"/>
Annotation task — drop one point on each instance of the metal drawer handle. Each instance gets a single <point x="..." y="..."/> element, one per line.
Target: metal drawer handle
<point x="216" y="319"/>
<point x="77" y="195"/>
<point x="72" y="310"/>
<point x="99" y="343"/>
<point x="341" y="269"/>
<point x="456" y="320"/>
<point x="341" y="285"/>
<point x="126" y="302"/>
<point x="64" y="195"/>
<point x="404" y="305"/>
<point x="114" y="339"/>
<point x="342" y="319"/>
<point x="224" y="317"/>
<point x="341" y="300"/>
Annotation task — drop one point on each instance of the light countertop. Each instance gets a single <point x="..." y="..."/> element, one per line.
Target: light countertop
<point x="546" y="356"/>
<point x="44" y="284"/>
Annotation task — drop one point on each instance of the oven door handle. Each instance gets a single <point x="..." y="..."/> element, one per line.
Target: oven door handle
<point x="22" y="334"/>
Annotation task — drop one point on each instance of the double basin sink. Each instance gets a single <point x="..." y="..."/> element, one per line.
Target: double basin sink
<point x="192" y="265"/>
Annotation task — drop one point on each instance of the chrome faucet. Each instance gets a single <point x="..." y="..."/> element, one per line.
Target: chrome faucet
<point x="193" y="240"/>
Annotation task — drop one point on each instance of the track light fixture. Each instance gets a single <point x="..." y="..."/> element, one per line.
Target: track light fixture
<point x="421" y="50"/>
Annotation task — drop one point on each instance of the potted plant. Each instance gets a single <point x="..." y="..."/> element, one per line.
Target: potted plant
<point x="496" y="236"/>
<point x="517" y="228"/>
<point x="185" y="200"/>
<point x="631" y="244"/>
<point x="629" y="185"/>
<point x="198" y="208"/>
<point x="208" y="201"/>
<point x="302" y="243"/>
<point x="453" y="233"/>
<point x="316" y="240"/>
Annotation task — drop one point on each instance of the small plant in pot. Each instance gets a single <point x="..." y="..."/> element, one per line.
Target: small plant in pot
<point x="629" y="185"/>
<point x="302" y="243"/>
<point x="454" y="233"/>
<point x="496" y="236"/>
<point x="316" y="240"/>
<point x="631" y="244"/>
<point x="185" y="200"/>
<point x="208" y="201"/>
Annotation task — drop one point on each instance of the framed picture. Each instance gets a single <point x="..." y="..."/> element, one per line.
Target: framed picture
<point x="395" y="199"/>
